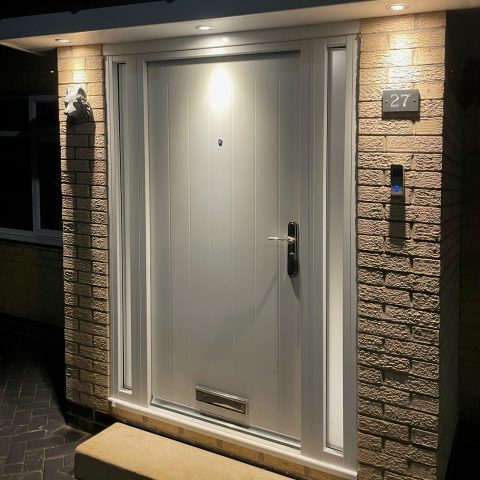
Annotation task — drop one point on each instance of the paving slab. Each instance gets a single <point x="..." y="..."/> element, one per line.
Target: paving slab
<point x="35" y="442"/>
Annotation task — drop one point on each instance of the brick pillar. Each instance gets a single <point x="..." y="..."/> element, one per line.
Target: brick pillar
<point x="85" y="231"/>
<point x="399" y="251"/>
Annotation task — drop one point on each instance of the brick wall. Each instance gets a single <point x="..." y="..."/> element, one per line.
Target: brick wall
<point x="31" y="281"/>
<point x="399" y="251"/>
<point x="85" y="230"/>
<point x="470" y="268"/>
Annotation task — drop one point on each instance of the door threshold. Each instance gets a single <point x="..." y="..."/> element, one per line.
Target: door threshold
<point x="226" y="423"/>
<point x="233" y="436"/>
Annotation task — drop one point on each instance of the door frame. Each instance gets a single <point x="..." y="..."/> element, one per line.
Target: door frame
<point x="129" y="246"/>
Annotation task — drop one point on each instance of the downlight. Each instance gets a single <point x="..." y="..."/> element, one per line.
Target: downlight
<point x="396" y="7"/>
<point x="204" y="28"/>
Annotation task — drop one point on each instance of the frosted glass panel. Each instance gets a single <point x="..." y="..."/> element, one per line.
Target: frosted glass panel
<point x="335" y="245"/>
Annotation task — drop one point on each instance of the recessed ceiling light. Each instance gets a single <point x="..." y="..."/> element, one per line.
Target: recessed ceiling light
<point x="204" y="28"/>
<point x="396" y="7"/>
<point x="63" y="40"/>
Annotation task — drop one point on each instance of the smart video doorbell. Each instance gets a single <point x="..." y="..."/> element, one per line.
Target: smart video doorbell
<point x="397" y="180"/>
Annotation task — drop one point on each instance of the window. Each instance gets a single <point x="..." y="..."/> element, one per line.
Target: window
<point x="30" y="190"/>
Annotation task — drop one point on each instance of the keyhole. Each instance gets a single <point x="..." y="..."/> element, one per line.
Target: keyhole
<point x="220" y="142"/>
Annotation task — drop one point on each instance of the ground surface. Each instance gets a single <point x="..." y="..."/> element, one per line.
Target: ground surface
<point x="35" y="443"/>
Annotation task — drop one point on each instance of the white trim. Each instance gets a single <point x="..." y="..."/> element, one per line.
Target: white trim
<point x="350" y="374"/>
<point x="115" y="234"/>
<point x="313" y="385"/>
<point x="121" y="216"/>
<point x="235" y="39"/>
<point x="236" y="438"/>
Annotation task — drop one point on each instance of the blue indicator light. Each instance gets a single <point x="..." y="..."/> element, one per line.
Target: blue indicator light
<point x="396" y="188"/>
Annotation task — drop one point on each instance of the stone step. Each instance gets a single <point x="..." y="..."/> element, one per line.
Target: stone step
<point x="121" y="452"/>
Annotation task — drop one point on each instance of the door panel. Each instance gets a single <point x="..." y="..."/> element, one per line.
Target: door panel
<point x="224" y="176"/>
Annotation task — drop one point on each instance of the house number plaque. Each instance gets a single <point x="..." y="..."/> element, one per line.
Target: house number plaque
<point x="401" y="103"/>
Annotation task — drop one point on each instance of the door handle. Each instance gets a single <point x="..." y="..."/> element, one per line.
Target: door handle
<point x="292" y="248"/>
<point x="283" y="239"/>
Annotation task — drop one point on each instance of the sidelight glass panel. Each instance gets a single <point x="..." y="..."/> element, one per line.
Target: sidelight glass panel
<point x="336" y="242"/>
<point x="126" y="319"/>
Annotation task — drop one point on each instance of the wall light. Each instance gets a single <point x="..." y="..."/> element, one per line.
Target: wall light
<point x="396" y="7"/>
<point x="204" y="28"/>
<point x="63" y="40"/>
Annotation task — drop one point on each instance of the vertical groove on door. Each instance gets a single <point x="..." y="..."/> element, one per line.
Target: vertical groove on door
<point x="189" y="190"/>
<point x="161" y="229"/>
<point x="200" y="226"/>
<point x="280" y="251"/>
<point x="232" y="219"/>
<point x="267" y="258"/>
<point x="255" y="199"/>
<point x="170" y="312"/>
<point x="288" y="205"/>
<point x="178" y="120"/>
<point x="210" y="176"/>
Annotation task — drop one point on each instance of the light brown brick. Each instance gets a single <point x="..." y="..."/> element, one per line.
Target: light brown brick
<point x="430" y="126"/>
<point x="95" y="88"/>
<point x="413" y="144"/>
<point x="386" y="59"/>
<point x="431" y="20"/>
<point x="94" y="63"/>
<point x="418" y="39"/>
<point x="64" y="78"/>
<point x="374" y="42"/>
<point x="385" y="127"/>
<point x="394" y="23"/>
<point x="86" y="50"/>
<point x="374" y="75"/>
<point x="63" y="52"/>
<point x="71" y="64"/>
<point x="380" y="427"/>
<point x="429" y="56"/>
<point x="434" y="73"/>
<point x="427" y="439"/>
<point x="371" y="143"/>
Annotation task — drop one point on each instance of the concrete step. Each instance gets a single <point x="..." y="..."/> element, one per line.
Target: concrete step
<point x="125" y="453"/>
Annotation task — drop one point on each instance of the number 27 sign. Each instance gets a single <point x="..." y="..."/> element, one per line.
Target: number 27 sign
<point x="401" y="103"/>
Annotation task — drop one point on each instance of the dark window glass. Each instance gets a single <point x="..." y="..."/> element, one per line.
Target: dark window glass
<point x="15" y="184"/>
<point x="50" y="189"/>
<point x="14" y="114"/>
<point x="47" y="114"/>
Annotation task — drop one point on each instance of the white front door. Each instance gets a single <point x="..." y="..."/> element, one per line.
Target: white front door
<point x="225" y="167"/>
<point x="224" y="153"/>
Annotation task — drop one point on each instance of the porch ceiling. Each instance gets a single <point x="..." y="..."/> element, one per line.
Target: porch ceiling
<point x="157" y="20"/>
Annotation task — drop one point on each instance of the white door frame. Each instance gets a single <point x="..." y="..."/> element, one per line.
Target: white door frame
<point x="129" y="244"/>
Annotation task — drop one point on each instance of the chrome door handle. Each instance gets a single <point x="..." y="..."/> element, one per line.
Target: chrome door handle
<point x="282" y="239"/>
<point x="292" y="249"/>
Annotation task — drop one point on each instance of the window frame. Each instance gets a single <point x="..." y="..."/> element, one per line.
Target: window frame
<point x="38" y="234"/>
